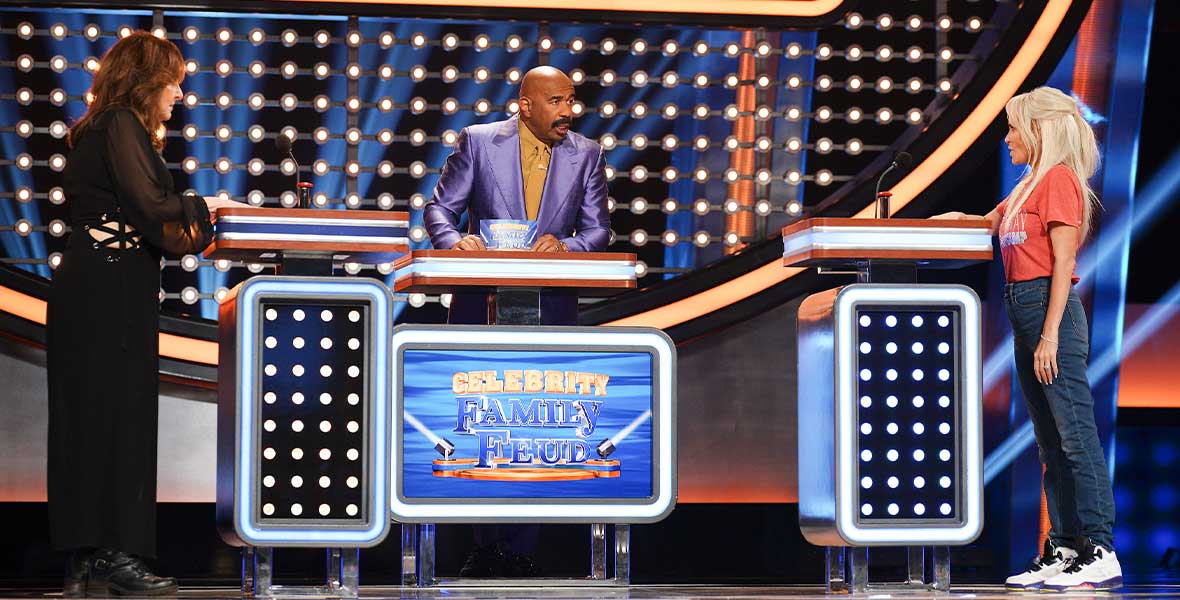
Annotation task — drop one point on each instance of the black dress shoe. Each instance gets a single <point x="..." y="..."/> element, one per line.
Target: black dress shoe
<point x="121" y="574"/>
<point x="77" y="573"/>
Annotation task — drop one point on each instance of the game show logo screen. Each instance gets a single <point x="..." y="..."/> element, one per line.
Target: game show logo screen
<point x="521" y="424"/>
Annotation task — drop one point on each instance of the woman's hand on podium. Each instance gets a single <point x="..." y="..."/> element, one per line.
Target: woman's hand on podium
<point x="951" y="216"/>
<point x="469" y="242"/>
<point x="549" y="243"/>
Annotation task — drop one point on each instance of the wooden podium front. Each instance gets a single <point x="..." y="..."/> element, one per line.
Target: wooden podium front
<point x="854" y="243"/>
<point x="269" y="234"/>
<point x="441" y="271"/>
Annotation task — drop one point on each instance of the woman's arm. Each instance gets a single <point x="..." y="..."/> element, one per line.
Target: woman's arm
<point x="993" y="218"/>
<point x="1064" y="241"/>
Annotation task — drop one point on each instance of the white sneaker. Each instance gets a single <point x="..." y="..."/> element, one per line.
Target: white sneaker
<point x="1053" y="560"/>
<point x="1095" y="568"/>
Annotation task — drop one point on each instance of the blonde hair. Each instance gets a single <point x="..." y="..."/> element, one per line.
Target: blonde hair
<point x="1054" y="132"/>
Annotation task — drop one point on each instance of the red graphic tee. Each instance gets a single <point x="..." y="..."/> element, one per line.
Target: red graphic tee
<point x="1024" y="242"/>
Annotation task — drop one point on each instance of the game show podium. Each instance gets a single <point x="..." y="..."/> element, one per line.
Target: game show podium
<point x="520" y="423"/>
<point x="889" y="395"/>
<point x="303" y="391"/>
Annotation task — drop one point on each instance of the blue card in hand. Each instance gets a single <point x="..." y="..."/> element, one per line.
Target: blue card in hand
<point x="508" y="234"/>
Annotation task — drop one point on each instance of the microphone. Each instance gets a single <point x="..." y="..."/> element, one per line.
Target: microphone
<point x="900" y="161"/>
<point x="283" y="143"/>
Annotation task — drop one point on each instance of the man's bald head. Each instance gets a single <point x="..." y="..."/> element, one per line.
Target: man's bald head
<point x="546" y="103"/>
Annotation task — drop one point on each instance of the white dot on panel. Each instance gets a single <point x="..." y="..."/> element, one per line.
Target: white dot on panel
<point x="917" y="321"/>
<point x="865" y="401"/>
<point x="297" y="397"/>
<point x="325" y="426"/>
<point x="269" y="397"/>
<point x="891" y="321"/>
<point x="944" y="482"/>
<point x="268" y="509"/>
<point x="865" y="347"/>
<point x="270" y="370"/>
<point x="353" y="454"/>
<point x="944" y="374"/>
<point x="351" y="509"/>
<point x="919" y="482"/>
<point x="944" y="401"/>
<point x="919" y="428"/>
<point x="354" y="344"/>
<point x="271" y="342"/>
<point x="893" y="508"/>
<point x="943" y="347"/>
<point x="354" y="399"/>
<point x="866" y="455"/>
<point x="296" y="425"/>
<point x="352" y="481"/>
<point x="865" y="428"/>
<point x="891" y="348"/>
<point x="325" y="481"/>
<point x="919" y="509"/>
<point x="353" y="427"/>
<point x="944" y="508"/>
<point x="326" y="343"/>
<point x="354" y="371"/>
<point x="866" y="509"/>
<point x="944" y="428"/>
<point x="919" y="455"/>
<point x="271" y="314"/>
<point x="268" y="425"/>
<point x="917" y="347"/>
<point x="944" y="455"/>
<point x="326" y="371"/>
<point x="891" y="374"/>
<point x="892" y="482"/>
<point x="297" y="453"/>
<point x="297" y="370"/>
<point x="325" y="509"/>
<point x="268" y="481"/>
<point x="891" y="455"/>
<point x="296" y="481"/>
<point x="326" y="315"/>
<point x="269" y="453"/>
<point x="296" y="509"/>
<point x="865" y="321"/>
<point x="943" y="321"/>
<point x="325" y="398"/>
<point x="865" y="374"/>
<point x="325" y="454"/>
<point x="297" y="342"/>
<point x="298" y="315"/>
<point x="866" y="482"/>
<point x="891" y="401"/>
<point x="917" y="375"/>
<point x="919" y="401"/>
<point x="891" y="428"/>
<point x="354" y="315"/>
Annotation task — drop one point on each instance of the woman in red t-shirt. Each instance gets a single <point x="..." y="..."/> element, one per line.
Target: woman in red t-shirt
<point x="1041" y="224"/>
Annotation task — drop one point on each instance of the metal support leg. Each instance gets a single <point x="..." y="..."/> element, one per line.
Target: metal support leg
<point x="622" y="554"/>
<point x="257" y="572"/>
<point x="247" y="571"/>
<point x="343" y="567"/>
<point x="942" y="568"/>
<point x="597" y="551"/>
<point x="426" y="554"/>
<point x="837" y="581"/>
<point x="858" y="570"/>
<point x="409" y="554"/>
<point x="915" y="566"/>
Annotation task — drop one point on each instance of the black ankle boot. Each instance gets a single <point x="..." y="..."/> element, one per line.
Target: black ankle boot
<point x="121" y="574"/>
<point x="77" y="573"/>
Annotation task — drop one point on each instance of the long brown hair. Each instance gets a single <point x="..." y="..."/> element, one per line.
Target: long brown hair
<point x="132" y="74"/>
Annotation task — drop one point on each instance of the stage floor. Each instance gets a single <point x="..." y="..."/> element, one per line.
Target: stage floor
<point x="651" y="592"/>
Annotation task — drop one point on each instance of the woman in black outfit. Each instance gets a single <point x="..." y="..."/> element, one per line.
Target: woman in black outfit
<point x="103" y="321"/>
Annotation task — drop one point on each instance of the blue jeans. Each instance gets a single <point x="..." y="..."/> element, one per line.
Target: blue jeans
<point x="1077" y="482"/>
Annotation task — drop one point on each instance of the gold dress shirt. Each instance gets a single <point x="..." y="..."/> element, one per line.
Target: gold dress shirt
<point x="534" y="167"/>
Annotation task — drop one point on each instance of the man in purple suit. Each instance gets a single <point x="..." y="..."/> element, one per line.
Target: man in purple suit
<point x="530" y="166"/>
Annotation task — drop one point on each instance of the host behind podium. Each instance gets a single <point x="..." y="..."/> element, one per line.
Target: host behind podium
<point x="530" y="166"/>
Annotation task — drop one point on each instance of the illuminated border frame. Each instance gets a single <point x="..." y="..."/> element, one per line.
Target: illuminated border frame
<point x="581" y="511"/>
<point x="971" y="407"/>
<point x="249" y="296"/>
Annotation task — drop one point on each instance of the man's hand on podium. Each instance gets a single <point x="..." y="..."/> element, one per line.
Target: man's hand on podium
<point x="549" y="243"/>
<point x="469" y="242"/>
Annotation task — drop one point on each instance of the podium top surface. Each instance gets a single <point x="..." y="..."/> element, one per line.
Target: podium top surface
<point x="845" y="242"/>
<point x="442" y="271"/>
<point x="249" y="233"/>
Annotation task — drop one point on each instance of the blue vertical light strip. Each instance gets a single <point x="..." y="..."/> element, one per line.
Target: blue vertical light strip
<point x="1113" y="239"/>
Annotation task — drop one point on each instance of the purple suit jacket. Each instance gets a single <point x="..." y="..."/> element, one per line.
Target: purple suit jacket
<point x="482" y="176"/>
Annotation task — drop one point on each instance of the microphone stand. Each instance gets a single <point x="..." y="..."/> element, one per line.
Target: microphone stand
<point x="883" y="197"/>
